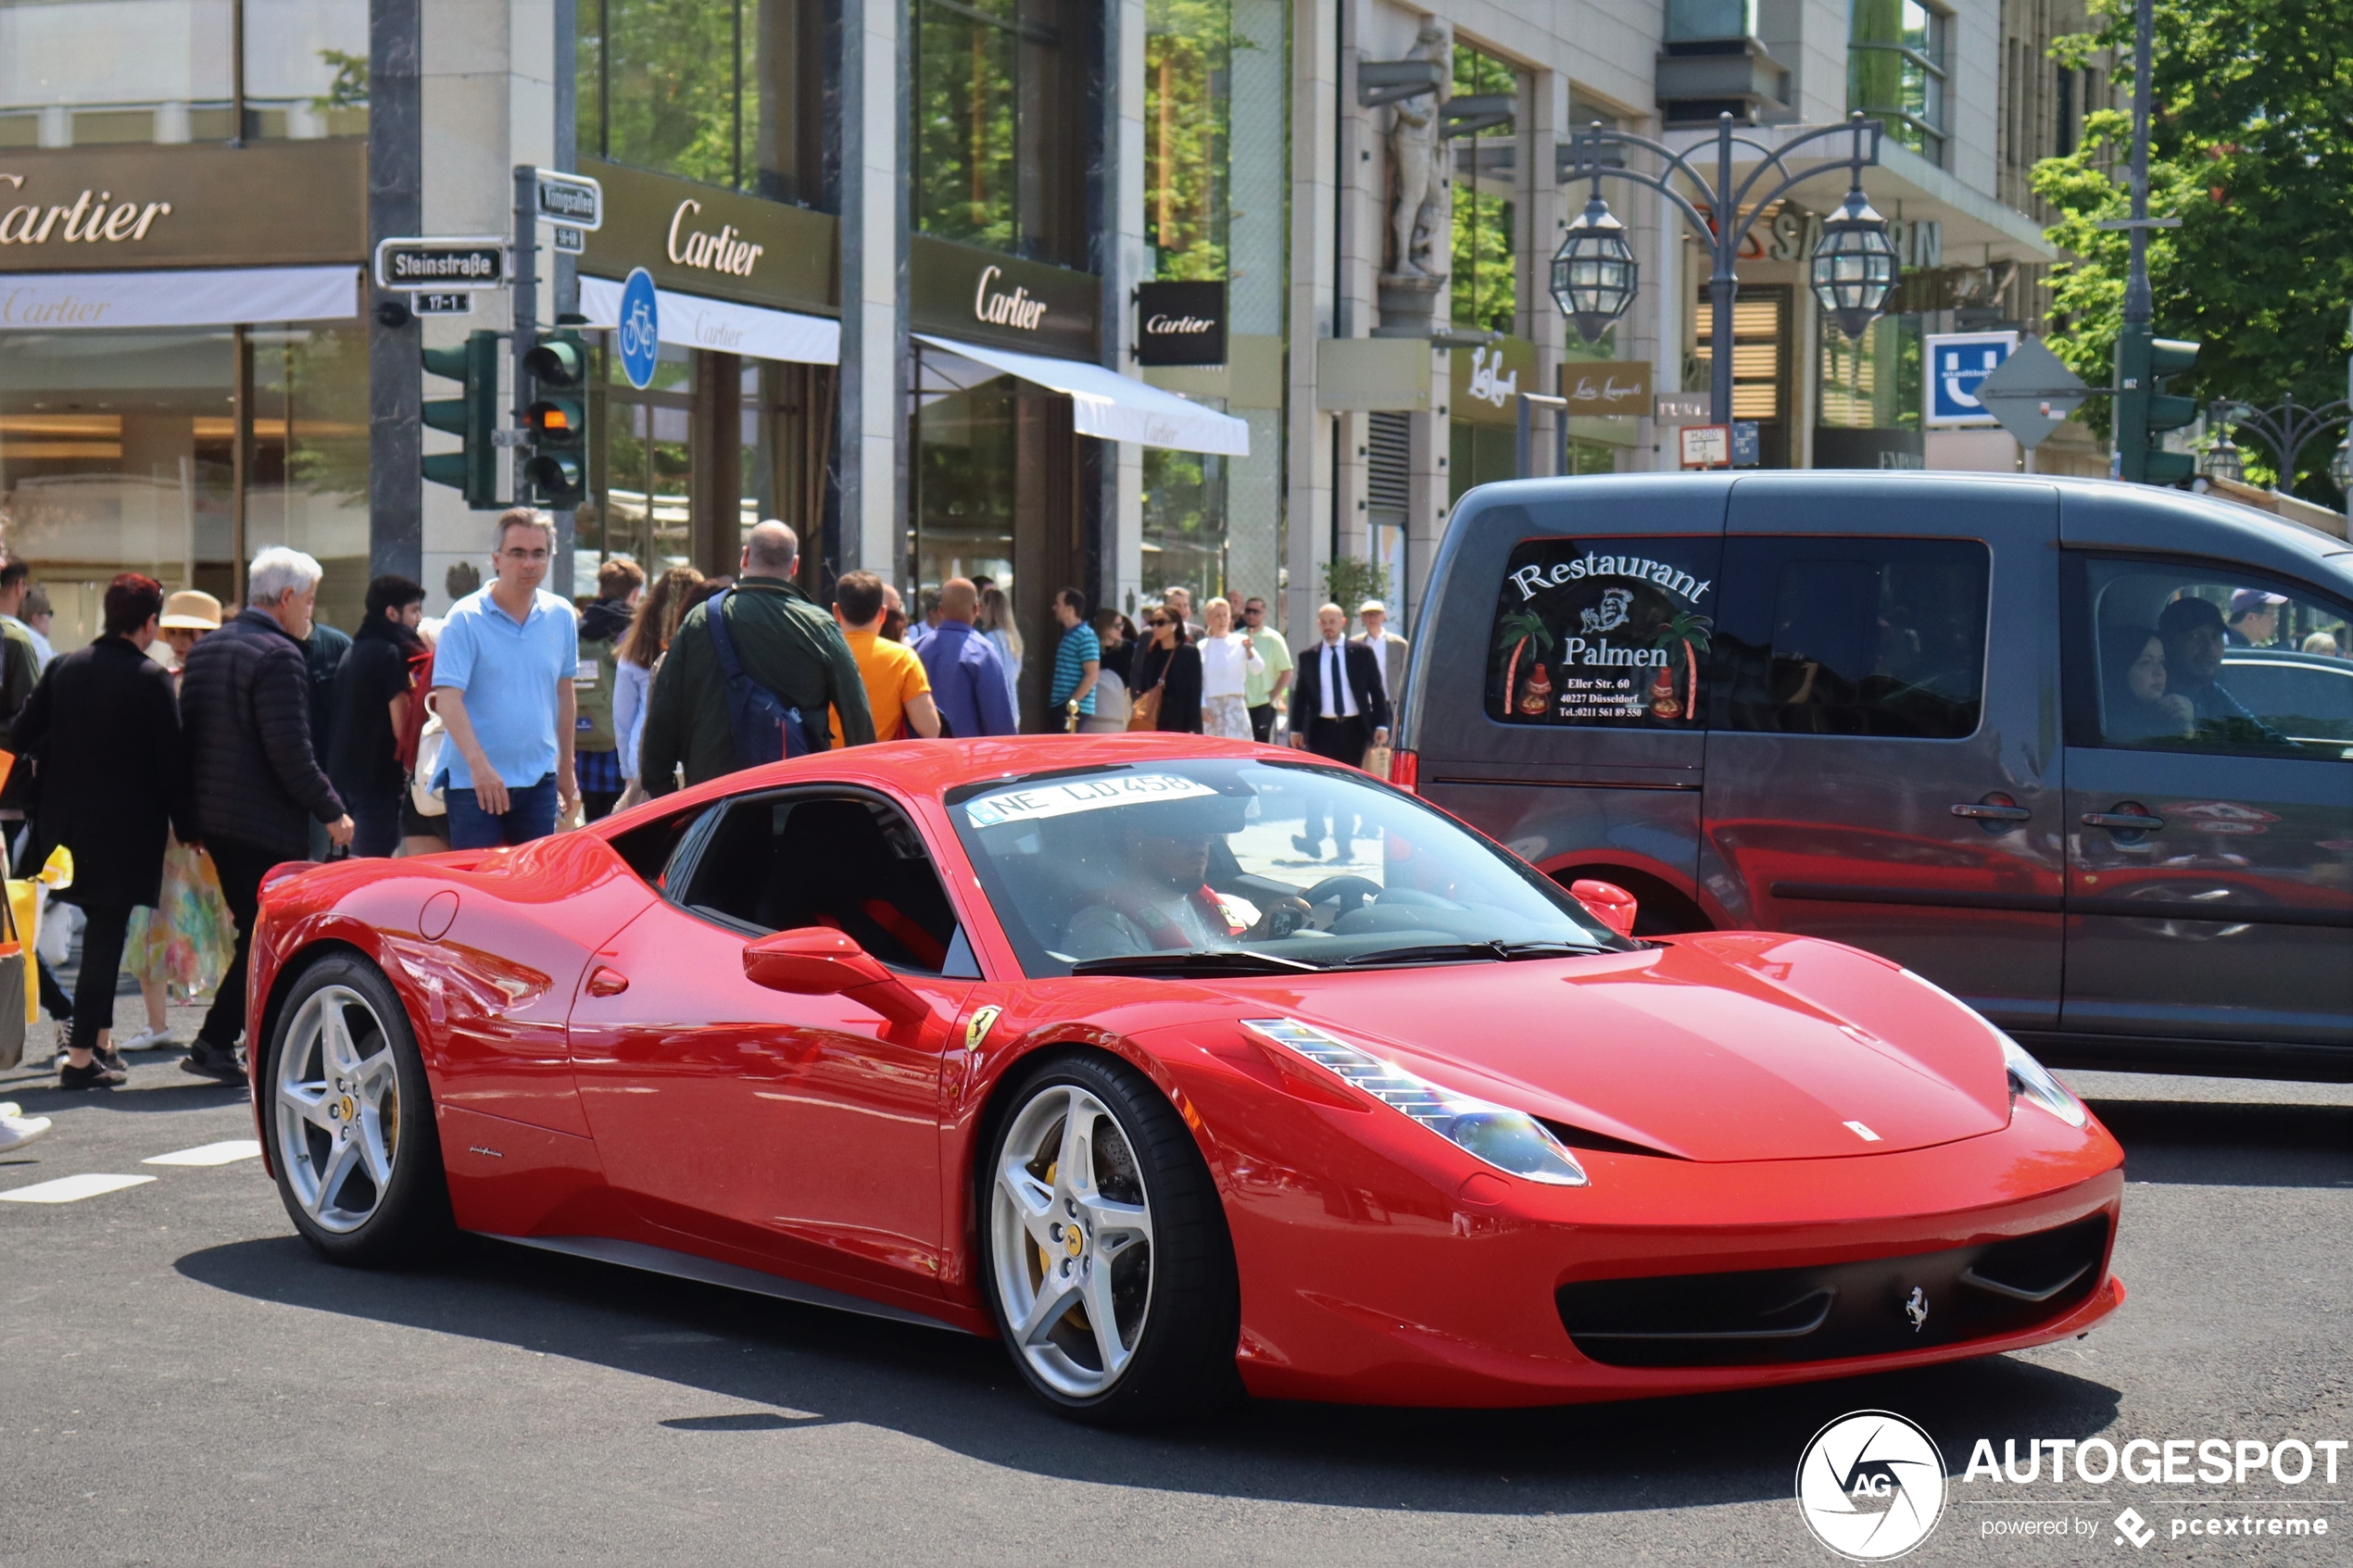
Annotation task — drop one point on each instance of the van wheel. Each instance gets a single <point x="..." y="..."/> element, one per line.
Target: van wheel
<point x="350" y="1119"/>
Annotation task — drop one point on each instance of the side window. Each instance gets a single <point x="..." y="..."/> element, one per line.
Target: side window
<point x="2189" y="656"/>
<point x="853" y="863"/>
<point x="1610" y="632"/>
<point x="1853" y="637"/>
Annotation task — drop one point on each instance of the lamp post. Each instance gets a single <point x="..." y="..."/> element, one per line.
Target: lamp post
<point x="1853" y="266"/>
<point x="2285" y="431"/>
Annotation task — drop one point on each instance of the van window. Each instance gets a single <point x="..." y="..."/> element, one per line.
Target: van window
<point x="1611" y="631"/>
<point x="1853" y="637"/>
<point x="2192" y="656"/>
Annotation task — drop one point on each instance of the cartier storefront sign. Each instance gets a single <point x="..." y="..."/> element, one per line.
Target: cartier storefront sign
<point x="961" y="291"/>
<point x="705" y="240"/>
<point x="1180" y="323"/>
<point x="127" y="208"/>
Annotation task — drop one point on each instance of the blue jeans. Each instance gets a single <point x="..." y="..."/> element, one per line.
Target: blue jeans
<point x="376" y="821"/>
<point x="531" y="813"/>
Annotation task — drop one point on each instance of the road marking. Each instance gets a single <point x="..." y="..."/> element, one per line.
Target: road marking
<point x="227" y="1153"/>
<point x="71" y="1189"/>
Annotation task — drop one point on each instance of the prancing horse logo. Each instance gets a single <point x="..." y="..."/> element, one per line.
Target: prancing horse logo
<point x="1917" y="1309"/>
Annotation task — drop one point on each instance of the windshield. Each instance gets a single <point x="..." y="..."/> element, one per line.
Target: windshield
<point x="1225" y="865"/>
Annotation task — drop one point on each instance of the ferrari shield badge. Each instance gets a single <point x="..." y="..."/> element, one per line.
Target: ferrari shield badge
<point x="976" y="1028"/>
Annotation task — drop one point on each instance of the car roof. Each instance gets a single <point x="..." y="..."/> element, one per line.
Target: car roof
<point x="932" y="767"/>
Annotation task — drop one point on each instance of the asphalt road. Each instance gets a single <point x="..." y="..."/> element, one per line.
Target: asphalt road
<point x="182" y="1381"/>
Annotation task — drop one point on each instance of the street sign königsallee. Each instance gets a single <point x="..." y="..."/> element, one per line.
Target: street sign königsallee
<point x="474" y="262"/>
<point x="2032" y="393"/>
<point x="573" y="200"/>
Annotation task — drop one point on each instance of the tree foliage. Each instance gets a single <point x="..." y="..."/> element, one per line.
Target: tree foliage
<point x="2251" y="148"/>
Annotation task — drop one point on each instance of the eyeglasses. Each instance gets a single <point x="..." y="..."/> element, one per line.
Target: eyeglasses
<point x="1156" y="625"/>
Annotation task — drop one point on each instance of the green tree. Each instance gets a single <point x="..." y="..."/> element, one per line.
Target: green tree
<point x="2251" y="146"/>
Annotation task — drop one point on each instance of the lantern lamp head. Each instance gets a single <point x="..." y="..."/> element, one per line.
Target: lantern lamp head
<point x="1853" y="267"/>
<point x="1594" y="273"/>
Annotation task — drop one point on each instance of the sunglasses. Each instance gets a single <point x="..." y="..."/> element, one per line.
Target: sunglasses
<point x="1155" y="623"/>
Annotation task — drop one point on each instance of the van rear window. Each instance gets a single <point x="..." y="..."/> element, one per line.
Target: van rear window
<point x="1610" y="632"/>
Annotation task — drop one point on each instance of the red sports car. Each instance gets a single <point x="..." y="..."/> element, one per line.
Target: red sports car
<point x="1090" y="1045"/>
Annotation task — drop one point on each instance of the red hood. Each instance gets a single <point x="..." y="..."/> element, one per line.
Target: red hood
<point x="1730" y="1047"/>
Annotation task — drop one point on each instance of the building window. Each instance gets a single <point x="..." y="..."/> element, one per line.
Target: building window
<point x="725" y="92"/>
<point x="115" y="72"/>
<point x="1760" y="363"/>
<point x="1187" y="100"/>
<point x="1896" y="70"/>
<point x="1485" y="288"/>
<point x="1000" y="107"/>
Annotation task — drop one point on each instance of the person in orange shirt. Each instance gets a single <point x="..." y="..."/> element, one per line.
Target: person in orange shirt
<point x="897" y="689"/>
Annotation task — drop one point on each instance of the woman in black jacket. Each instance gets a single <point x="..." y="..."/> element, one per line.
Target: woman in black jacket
<point x="1173" y="665"/>
<point x="112" y="779"/>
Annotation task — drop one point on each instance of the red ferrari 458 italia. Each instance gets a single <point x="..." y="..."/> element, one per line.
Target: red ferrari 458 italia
<point x="1181" y="1066"/>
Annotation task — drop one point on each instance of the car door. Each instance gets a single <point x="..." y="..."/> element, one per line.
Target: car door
<point x="2209" y="805"/>
<point x="1883" y="757"/>
<point x="801" y="1131"/>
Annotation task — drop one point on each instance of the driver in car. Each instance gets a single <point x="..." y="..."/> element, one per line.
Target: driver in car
<point x="1167" y="904"/>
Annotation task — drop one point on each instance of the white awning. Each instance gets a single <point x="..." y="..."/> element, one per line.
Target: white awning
<point x="1111" y="407"/>
<point x="197" y="297"/>
<point x="691" y="321"/>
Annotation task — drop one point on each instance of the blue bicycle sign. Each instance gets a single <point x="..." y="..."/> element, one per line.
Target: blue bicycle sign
<point x="640" y="328"/>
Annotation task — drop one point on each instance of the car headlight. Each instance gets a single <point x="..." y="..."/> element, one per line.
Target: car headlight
<point x="2032" y="1079"/>
<point x="1509" y="1140"/>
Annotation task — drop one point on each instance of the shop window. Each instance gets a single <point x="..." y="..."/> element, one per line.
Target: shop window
<point x="1185" y="521"/>
<point x="113" y="72"/>
<point x="1760" y="364"/>
<point x="726" y="91"/>
<point x="1187" y="46"/>
<point x="1852" y="636"/>
<point x="1896" y="70"/>
<point x="1000" y="104"/>
<point x="1867" y="394"/>
<point x="1485" y="286"/>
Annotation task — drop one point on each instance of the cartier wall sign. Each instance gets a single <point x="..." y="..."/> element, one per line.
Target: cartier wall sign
<point x="122" y="209"/>
<point x="961" y="291"/>
<point x="702" y="239"/>
<point x="1180" y="323"/>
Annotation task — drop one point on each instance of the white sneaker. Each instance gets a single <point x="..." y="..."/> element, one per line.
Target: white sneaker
<point x="14" y="1130"/>
<point x="150" y="1040"/>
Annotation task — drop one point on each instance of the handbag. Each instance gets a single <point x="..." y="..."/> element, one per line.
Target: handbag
<point x="425" y="785"/>
<point x="1143" y="713"/>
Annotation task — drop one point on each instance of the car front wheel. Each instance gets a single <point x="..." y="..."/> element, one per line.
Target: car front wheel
<point x="1109" y="1266"/>
<point x="351" y="1116"/>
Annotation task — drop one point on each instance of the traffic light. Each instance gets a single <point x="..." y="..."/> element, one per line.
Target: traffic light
<point x="2143" y="413"/>
<point x="472" y="418"/>
<point x="557" y="420"/>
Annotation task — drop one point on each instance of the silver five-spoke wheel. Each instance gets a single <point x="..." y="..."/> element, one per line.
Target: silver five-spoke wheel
<point x="1073" y="1241"/>
<point x="338" y="1099"/>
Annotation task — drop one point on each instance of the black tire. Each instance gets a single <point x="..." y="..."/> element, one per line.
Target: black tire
<point x="408" y="1218"/>
<point x="1181" y="1363"/>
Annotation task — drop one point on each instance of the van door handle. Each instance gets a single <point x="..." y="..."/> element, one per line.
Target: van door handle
<point x="2124" y="821"/>
<point x="1994" y="813"/>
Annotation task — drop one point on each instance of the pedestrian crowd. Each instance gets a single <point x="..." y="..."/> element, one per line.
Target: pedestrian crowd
<point x="186" y="751"/>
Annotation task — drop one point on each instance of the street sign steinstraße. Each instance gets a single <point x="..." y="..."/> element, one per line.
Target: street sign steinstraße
<point x="475" y="261"/>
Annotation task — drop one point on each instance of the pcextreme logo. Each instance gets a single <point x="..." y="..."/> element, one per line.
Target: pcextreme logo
<point x="1871" y="1485"/>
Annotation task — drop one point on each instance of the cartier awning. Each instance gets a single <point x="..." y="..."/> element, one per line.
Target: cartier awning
<point x="207" y="297"/>
<point x="693" y="321"/>
<point x="1111" y="407"/>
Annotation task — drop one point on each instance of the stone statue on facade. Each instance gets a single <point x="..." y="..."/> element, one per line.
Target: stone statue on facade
<point x="1419" y="228"/>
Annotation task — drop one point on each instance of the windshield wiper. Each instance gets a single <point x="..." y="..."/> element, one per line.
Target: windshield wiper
<point x="1221" y="961"/>
<point x="1457" y="952"/>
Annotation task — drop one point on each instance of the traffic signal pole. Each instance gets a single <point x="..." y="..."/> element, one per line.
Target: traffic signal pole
<point x="523" y="297"/>
<point x="2131" y="432"/>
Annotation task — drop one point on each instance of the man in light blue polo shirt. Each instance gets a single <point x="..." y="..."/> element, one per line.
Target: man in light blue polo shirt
<point x="502" y="677"/>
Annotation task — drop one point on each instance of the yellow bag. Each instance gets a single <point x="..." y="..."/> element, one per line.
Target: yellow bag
<point x="24" y="904"/>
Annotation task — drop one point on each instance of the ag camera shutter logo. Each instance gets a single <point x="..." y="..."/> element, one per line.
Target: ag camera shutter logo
<point x="1871" y="1485"/>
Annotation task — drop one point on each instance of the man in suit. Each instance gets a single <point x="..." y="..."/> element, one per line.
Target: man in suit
<point x="1339" y="707"/>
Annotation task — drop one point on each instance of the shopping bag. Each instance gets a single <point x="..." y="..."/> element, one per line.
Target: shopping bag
<point x="14" y="987"/>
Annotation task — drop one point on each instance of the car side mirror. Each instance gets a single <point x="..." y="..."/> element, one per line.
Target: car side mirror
<point x="816" y="960"/>
<point x="1606" y="902"/>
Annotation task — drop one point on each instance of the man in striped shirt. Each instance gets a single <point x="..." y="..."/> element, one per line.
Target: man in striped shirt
<point x="1079" y="661"/>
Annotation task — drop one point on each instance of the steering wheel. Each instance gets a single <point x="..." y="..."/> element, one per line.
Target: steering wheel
<point x="1348" y="891"/>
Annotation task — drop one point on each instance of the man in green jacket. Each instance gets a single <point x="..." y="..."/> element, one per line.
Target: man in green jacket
<point x="785" y="643"/>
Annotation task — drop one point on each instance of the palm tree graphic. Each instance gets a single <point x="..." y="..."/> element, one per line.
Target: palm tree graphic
<point x="1691" y="631"/>
<point x="1519" y="629"/>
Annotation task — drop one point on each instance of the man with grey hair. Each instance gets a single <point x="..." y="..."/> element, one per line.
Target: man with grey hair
<point x="502" y="682"/>
<point x="777" y="639"/>
<point x="245" y="707"/>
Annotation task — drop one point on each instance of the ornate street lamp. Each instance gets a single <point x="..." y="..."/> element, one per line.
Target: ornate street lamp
<point x="1594" y="273"/>
<point x="1855" y="262"/>
<point x="2224" y="459"/>
<point x="2341" y="467"/>
<point x="1853" y="267"/>
<point x="2285" y="431"/>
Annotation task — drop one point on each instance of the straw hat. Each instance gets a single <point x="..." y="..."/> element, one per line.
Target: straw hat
<point x="192" y="608"/>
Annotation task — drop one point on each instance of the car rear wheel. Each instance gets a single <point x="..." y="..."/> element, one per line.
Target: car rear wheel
<point x="352" y="1121"/>
<point x="1109" y="1265"/>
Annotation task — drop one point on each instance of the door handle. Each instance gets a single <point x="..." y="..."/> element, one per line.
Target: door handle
<point x="2124" y="821"/>
<point x="1985" y="813"/>
<point x="607" y="981"/>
